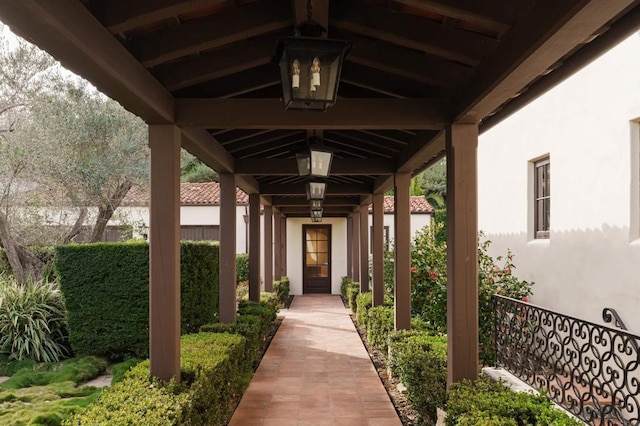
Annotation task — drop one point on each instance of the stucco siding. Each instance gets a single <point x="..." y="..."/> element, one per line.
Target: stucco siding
<point x="587" y="128"/>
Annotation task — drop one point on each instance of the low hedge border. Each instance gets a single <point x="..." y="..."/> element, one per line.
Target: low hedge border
<point x="364" y="301"/>
<point x="486" y="403"/>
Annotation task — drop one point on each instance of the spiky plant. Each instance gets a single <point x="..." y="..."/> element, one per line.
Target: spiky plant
<point x="32" y="320"/>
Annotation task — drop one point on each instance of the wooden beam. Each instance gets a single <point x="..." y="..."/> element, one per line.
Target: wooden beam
<point x="496" y="15"/>
<point x="550" y="31"/>
<point x="228" y="27"/>
<point x="123" y="15"/>
<point x="277" y="235"/>
<point x="289" y="167"/>
<point x="254" y="247"/>
<point x="402" y="248"/>
<point x="320" y="12"/>
<point x="227" y="296"/>
<point x="204" y="146"/>
<point x="164" y="252"/>
<point x="377" y="245"/>
<point x="425" y="147"/>
<point x="462" y="253"/>
<point x="364" y="249"/>
<point x="304" y="211"/>
<point x="240" y="83"/>
<point x="328" y="201"/>
<point x="299" y="189"/>
<point x="89" y="50"/>
<point x="217" y="64"/>
<point x="621" y="29"/>
<point x="268" y="248"/>
<point x="405" y="63"/>
<point x="355" y="246"/>
<point x="349" y="246"/>
<point x="410" y="31"/>
<point x="417" y="114"/>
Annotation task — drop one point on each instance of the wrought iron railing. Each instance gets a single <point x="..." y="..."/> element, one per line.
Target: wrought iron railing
<point x="591" y="370"/>
<point x="611" y="315"/>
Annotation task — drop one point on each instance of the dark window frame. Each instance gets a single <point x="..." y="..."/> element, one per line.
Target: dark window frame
<point x="541" y="198"/>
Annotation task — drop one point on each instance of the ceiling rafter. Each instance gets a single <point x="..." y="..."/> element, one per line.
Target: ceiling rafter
<point x="261" y="139"/>
<point x="220" y="63"/>
<point x="345" y="114"/>
<point x="339" y="166"/>
<point x="350" y="136"/>
<point x="219" y="30"/>
<point x="411" y="31"/>
<point x="300" y="189"/>
<point x="120" y="16"/>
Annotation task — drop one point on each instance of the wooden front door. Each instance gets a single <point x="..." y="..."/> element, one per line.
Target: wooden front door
<point x="316" y="258"/>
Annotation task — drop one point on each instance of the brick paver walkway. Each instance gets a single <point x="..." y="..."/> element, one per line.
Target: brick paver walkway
<point x="316" y="372"/>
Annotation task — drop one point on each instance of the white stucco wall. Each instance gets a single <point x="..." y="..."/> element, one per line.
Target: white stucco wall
<point x="587" y="127"/>
<point x="295" y="251"/>
<point x="418" y="221"/>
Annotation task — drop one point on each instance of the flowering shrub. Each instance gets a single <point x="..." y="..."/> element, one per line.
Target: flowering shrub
<point x="429" y="284"/>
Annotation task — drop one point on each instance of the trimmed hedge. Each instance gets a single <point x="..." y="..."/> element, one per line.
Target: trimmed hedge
<point x="282" y="289"/>
<point x="419" y="359"/>
<point x="380" y="325"/>
<point x="106" y="290"/>
<point x="344" y="285"/>
<point x="364" y="301"/>
<point x="242" y="268"/>
<point x="352" y="292"/>
<point x="212" y="375"/>
<point x="487" y="403"/>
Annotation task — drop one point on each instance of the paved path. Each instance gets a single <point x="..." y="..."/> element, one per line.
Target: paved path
<point x="316" y="372"/>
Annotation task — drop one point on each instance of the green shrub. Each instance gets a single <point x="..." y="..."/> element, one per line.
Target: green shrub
<point x="352" y="292"/>
<point x="242" y="268"/>
<point x="106" y="289"/>
<point x="74" y="370"/>
<point x="32" y="320"/>
<point x="212" y="374"/>
<point x="380" y="325"/>
<point x="137" y="400"/>
<point x="483" y="402"/>
<point x="344" y="286"/>
<point x="419" y="359"/>
<point x="249" y="327"/>
<point x="264" y="311"/>
<point x="282" y="289"/>
<point x="363" y="304"/>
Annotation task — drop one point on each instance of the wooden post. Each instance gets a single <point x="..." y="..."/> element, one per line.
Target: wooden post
<point x="164" y="252"/>
<point x="377" y="245"/>
<point x="364" y="249"/>
<point x="349" y="247"/>
<point x="227" y="296"/>
<point x="254" y="247"/>
<point x="462" y="253"/>
<point x="277" y="254"/>
<point x="283" y="246"/>
<point x="355" y="253"/>
<point x="268" y="248"/>
<point x="402" y="247"/>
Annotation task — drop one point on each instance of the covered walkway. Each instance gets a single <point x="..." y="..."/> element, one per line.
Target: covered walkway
<point x="316" y="372"/>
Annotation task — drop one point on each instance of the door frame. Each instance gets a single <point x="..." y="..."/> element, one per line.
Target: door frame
<point x="304" y="255"/>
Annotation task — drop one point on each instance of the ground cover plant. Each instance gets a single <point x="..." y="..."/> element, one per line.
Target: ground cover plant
<point x="47" y="393"/>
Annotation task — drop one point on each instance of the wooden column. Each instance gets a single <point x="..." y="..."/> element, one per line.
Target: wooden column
<point x="164" y="252"/>
<point x="277" y="254"/>
<point x="283" y="246"/>
<point x="402" y="245"/>
<point x="254" y="247"/>
<point x="268" y="248"/>
<point x="364" y="249"/>
<point x="377" y="245"/>
<point x="355" y="252"/>
<point x="462" y="253"/>
<point x="349" y="247"/>
<point x="227" y="272"/>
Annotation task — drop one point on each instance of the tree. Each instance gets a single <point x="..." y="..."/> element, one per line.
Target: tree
<point x="25" y="73"/>
<point x="96" y="150"/>
<point x="194" y="170"/>
<point x="434" y="184"/>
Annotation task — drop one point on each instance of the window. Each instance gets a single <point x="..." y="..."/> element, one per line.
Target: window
<point x="542" y="198"/>
<point x="385" y="237"/>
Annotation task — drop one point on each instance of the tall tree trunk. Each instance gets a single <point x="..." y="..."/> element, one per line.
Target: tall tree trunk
<point x="77" y="227"/>
<point x="23" y="262"/>
<point x="105" y="211"/>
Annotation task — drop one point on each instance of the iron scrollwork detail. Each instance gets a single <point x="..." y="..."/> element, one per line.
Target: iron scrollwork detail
<point x="591" y="370"/>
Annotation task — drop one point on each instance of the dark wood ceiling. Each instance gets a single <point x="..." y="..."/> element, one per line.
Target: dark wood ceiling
<point x="416" y="66"/>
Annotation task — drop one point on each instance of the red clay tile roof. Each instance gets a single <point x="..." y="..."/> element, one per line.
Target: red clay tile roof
<point x="191" y="194"/>
<point x="208" y="194"/>
<point x="419" y="204"/>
